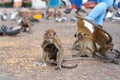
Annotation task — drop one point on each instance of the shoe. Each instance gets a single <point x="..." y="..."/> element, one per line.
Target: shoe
<point x="64" y="19"/>
<point x="73" y="19"/>
<point x="68" y="11"/>
<point x="56" y="19"/>
<point x="82" y="10"/>
<point x="100" y="26"/>
<point x="117" y="14"/>
<point x="78" y="14"/>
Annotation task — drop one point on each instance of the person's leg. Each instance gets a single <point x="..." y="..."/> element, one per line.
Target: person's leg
<point x="97" y="12"/>
<point x="68" y="3"/>
<point x="69" y="7"/>
<point x="78" y="4"/>
<point x="99" y="19"/>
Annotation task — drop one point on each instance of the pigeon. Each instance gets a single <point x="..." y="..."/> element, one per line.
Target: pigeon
<point x="10" y="30"/>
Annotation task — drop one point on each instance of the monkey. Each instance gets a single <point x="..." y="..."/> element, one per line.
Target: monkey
<point x="91" y="43"/>
<point x="83" y="38"/>
<point x="75" y="44"/>
<point x="80" y="25"/>
<point x="26" y="24"/>
<point x="102" y="38"/>
<point x="53" y="50"/>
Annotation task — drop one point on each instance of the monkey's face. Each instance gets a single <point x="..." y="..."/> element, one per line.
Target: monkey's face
<point x="83" y="33"/>
<point x="110" y="46"/>
<point x="26" y="19"/>
<point x="49" y="37"/>
<point x="82" y="36"/>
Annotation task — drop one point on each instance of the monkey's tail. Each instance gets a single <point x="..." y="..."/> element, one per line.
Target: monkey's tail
<point x="69" y="67"/>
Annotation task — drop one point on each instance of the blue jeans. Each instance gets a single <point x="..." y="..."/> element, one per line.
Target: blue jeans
<point x="98" y="13"/>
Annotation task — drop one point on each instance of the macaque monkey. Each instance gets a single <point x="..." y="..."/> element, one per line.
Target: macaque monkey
<point x="80" y="27"/>
<point x="92" y="42"/>
<point x="26" y="24"/>
<point x="84" y="40"/>
<point x="52" y="50"/>
<point x="103" y="40"/>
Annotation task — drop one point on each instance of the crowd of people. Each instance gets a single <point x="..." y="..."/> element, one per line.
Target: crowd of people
<point x="97" y="14"/>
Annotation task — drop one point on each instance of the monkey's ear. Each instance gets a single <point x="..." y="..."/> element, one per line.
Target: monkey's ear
<point x="80" y="23"/>
<point x="75" y="35"/>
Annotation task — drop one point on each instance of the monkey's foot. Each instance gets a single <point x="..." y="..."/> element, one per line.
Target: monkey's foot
<point x="107" y="61"/>
<point x="112" y="61"/>
<point x="39" y="63"/>
<point x="57" y="68"/>
<point x="74" y="56"/>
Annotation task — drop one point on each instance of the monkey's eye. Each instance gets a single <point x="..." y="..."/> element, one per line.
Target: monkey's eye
<point x="84" y="34"/>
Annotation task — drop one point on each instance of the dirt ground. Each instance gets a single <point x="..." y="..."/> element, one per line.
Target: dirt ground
<point x="18" y="54"/>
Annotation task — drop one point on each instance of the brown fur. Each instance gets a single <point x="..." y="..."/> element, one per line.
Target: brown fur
<point x="104" y="40"/>
<point x="26" y="24"/>
<point x="87" y="40"/>
<point x="52" y="49"/>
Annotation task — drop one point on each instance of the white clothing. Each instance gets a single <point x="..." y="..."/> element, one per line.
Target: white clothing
<point x="38" y="4"/>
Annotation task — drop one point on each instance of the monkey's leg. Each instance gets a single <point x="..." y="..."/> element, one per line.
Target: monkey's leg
<point x="75" y="46"/>
<point x="81" y="53"/>
<point x="90" y="51"/>
<point x="59" y="60"/>
<point x="104" y="55"/>
<point x="45" y="57"/>
<point x="108" y="59"/>
<point x="24" y="29"/>
<point x="117" y="53"/>
<point x="30" y="27"/>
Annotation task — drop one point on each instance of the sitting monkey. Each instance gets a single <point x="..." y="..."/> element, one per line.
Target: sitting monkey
<point x="52" y="50"/>
<point x="26" y="24"/>
<point x="92" y="42"/>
